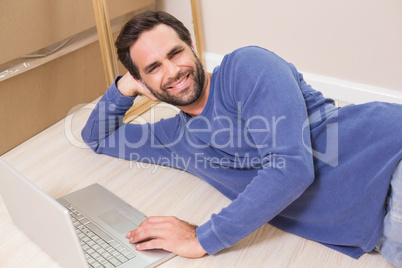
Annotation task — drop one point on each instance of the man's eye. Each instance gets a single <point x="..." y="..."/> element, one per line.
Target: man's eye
<point x="176" y="53"/>
<point x="153" y="69"/>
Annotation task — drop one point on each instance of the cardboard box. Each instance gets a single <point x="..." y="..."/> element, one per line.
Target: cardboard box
<point x="35" y="99"/>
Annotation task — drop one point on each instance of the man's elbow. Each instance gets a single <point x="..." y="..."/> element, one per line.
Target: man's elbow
<point x="94" y="145"/>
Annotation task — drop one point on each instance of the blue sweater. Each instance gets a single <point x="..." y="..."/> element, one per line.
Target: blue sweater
<point x="277" y="148"/>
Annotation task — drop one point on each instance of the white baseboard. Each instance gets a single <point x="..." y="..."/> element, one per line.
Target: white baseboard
<point x="346" y="91"/>
<point x="212" y="60"/>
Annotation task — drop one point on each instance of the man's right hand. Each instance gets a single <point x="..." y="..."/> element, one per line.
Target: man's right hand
<point x="131" y="87"/>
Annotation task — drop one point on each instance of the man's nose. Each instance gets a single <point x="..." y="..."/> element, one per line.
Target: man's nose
<point x="171" y="69"/>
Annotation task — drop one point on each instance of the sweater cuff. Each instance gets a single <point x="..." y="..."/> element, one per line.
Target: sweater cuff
<point x="208" y="240"/>
<point x="117" y="98"/>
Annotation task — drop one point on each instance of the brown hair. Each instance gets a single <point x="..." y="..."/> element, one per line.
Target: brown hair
<point x="140" y="23"/>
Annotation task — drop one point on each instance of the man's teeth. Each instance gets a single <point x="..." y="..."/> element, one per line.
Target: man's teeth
<point x="181" y="83"/>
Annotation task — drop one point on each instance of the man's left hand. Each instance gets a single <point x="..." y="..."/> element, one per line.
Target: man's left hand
<point x="168" y="233"/>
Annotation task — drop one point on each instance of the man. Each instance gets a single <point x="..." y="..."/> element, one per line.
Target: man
<point x="258" y="133"/>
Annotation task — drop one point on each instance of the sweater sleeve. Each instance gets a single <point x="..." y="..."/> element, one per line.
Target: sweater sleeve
<point x="106" y="133"/>
<point x="267" y="90"/>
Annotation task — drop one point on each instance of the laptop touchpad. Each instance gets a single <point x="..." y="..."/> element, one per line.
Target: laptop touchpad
<point x="117" y="221"/>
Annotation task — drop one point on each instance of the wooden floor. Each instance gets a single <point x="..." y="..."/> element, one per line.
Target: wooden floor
<point x="58" y="162"/>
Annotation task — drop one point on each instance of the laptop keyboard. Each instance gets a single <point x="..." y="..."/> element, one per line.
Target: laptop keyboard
<point x="100" y="249"/>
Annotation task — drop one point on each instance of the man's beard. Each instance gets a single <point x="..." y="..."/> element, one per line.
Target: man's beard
<point x="188" y="97"/>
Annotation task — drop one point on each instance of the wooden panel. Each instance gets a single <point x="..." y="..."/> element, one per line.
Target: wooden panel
<point x="109" y="57"/>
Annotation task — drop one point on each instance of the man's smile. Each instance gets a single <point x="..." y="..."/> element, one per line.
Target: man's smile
<point x="180" y="84"/>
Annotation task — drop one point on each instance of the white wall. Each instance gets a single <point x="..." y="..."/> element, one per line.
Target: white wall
<point x="181" y="9"/>
<point x="354" y="40"/>
<point x="349" y="49"/>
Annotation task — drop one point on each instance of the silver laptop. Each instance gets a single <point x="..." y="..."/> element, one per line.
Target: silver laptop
<point x="86" y="228"/>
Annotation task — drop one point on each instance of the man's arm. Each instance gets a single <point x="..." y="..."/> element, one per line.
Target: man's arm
<point x="266" y="91"/>
<point x="131" y="87"/>
<point x="106" y="133"/>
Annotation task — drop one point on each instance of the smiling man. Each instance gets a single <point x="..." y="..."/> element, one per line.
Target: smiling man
<point x="176" y="73"/>
<point x="257" y="132"/>
<point x="167" y="68"/>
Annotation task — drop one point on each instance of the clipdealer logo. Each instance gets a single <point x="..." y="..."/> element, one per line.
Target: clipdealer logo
<point x="329" y="155"/>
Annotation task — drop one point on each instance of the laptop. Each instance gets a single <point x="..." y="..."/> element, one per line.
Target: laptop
<point x="86" y="228"/>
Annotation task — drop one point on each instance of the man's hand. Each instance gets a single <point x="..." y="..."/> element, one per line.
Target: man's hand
<point x="131" y="87"/>
<point x="168" y="233"/>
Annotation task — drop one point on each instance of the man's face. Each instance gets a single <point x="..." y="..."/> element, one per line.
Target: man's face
<point x="168" y="67"/>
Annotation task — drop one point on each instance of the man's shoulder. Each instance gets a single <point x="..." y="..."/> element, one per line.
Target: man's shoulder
<point x="248" y="51"/>
<point x="250" y="56"/>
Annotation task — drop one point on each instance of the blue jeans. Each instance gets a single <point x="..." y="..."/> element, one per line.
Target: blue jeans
<point x="390" y="244"/>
